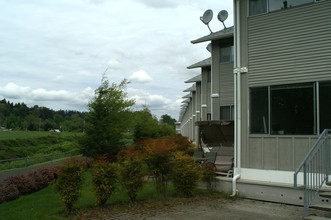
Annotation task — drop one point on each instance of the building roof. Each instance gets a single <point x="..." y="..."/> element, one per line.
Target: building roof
<point x="225" y="33"/>
<point x="187" y="96"/>
<point x="186" y="101"/>
<point x="194" y="79"/>
<point x="190" y="89"/>
<point x="202" y="63"/>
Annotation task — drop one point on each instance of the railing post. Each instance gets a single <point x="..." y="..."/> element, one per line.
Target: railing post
<point x="305" y="191"/>
<point x="327" y="156"/>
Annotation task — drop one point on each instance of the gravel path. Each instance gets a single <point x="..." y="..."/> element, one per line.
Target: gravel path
<point x="215" y="209"/>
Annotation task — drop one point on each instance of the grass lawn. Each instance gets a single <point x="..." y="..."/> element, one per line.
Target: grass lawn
<point x="46" y="205"/>
<point x="13" y="135"/>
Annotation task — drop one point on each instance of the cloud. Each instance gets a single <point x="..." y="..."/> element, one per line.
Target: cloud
<point x="113" y="64"/>
<point x="140" y="76"/>
<point x="73" y="42"/>
<point x="58" y="78"/>
<point x="56" y="99"/>
<point x="13" y="91"/>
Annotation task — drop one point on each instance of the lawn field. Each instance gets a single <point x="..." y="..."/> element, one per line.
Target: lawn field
<point x="14" y="135"/>
<point x="46" y="203"/>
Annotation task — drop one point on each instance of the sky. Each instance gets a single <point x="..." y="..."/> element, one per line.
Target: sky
<point x="54" y="53"/>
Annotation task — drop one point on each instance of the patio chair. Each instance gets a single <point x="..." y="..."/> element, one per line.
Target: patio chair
<point x="210" y="158"/>
<point x="198" y="156"/>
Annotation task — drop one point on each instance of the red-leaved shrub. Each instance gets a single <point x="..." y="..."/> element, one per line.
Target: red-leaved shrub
<point x="14" y="186"/>
<point x="8" y="192"/>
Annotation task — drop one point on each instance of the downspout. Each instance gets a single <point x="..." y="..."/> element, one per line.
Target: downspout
<point x="237" y="98"/>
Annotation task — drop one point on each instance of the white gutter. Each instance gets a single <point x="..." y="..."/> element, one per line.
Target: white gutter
<point x="237" y="99"/>
<point x="234" y="185"/>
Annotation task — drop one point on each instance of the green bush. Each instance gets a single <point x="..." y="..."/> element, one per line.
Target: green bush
<point x="104" y="177"/>
<point x="185" y="174"/>
<point x="209" y="176"/>
<point x="159" y="166"/>
<point x="131" y="172"/>
<point x="69" y="182"/>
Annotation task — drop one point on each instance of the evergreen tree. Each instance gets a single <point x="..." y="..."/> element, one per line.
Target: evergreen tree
<point x="108" y="118"/>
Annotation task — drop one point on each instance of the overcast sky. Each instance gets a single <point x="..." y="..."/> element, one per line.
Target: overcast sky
<point x="53" y="52"/>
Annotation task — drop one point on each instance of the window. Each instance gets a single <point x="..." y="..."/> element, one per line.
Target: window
<point x="263" y="6"/>
<point x="226" y="54"/>
<point x="286" y="109"/>
<point x="226" y="112"/>
<point x="208" y="116"/>
<point x="257" y="7"/>
<point x="259" y="113"/>
<point x="324" y="105"/>
<point x="292" y="109"/>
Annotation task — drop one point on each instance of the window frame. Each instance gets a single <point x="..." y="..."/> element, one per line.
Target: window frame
<point x="314" y="109"/>
<point x="231" y="111"/>
<point x="231" y="55"/>
<point x="267" y="2"/>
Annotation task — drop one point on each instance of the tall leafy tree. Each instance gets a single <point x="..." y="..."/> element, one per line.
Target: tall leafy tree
<point x="146" y="125"/>
<point x="167" y="119"/>
<point x="108" y="118"/>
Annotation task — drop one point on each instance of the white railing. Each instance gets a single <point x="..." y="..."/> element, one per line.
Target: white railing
<point x="315" y="169"/>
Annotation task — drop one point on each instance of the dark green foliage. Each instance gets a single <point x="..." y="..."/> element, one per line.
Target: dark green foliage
<point x="107" y="120"/>
<point x="167" y="119"/>
<point x="104" y="177"/>
<point x="131" y="172"/>
<point x="69" y="182"/>
<point x="146" y="125"/>
<point x="166" y="130"/>
<point x="209" y="176"/>
<point x="20" y="117"/>
<point x="185" y="174"/>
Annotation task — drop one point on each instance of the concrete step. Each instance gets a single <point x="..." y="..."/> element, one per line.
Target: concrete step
<point x="325" y="194"/>
<point x="314" y="217"/>
<point x="328" y="183"/>
<point x="322" y="206"/>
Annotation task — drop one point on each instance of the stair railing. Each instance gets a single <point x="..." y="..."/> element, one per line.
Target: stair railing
<point x="315" y="169"/>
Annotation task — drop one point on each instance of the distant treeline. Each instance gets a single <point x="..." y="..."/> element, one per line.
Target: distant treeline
<point x="19" y="116"/>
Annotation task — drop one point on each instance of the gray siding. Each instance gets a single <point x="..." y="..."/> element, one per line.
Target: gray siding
<point x="292" y="45"/>
<point x="226" y="84"/>
<point x="277" y="152"/>
<point x="282" y="47"/>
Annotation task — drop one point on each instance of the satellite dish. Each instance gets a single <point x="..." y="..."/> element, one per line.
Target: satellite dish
<point x="222" y="16"/>
<point x="206" y="18"/>
<point x="209" y="47"/>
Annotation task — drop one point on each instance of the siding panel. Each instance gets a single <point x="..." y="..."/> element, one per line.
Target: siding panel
<point x="226" y="84"/>
<point x="286" y="46"/>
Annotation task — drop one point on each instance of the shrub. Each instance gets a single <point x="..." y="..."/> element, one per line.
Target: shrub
<point x="104" y="176"/>
<point x="27" y="183"/>
<point x="157" y="158"/>
<point x="8" y="192"/>
<point x="209" y="176"/>
<point x="183" y="144"/>
<point x="69" y="183"/>
<point x="131" y="172"/>
<point x="185" y="174"/>
<point x="24" y="183"/>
